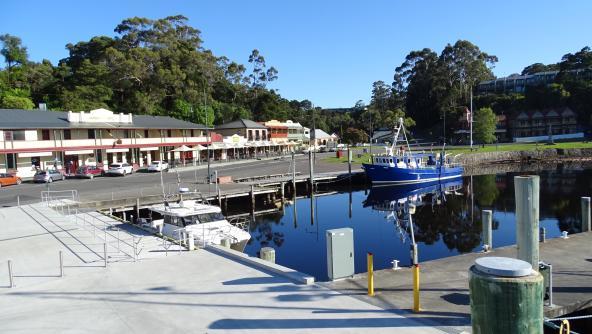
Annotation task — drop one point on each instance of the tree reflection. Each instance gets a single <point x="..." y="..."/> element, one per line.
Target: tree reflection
<point x="261" y="230"/>
<point x="485" y="190"/>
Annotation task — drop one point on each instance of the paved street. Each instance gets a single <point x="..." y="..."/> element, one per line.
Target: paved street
<point x="139" y="184"/>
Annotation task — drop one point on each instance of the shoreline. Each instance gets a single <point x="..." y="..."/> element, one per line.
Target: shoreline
<point x="545" y="155"/>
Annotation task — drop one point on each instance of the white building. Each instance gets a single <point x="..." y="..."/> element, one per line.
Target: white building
<point x="31" y="139"/>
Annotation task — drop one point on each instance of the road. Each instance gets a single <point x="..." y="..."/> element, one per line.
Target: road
<point x="139" y="184"/>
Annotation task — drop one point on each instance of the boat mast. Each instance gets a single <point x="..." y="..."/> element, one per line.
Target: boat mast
<point x="397" y="132"/>
<point x="396" y="136"/>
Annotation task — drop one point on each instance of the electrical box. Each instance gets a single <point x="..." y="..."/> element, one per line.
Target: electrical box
<point x="340" y="253"/>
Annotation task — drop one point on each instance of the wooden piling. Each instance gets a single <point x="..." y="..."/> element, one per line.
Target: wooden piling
<point x="282" y="186"/>
<point x="349" y="162"/>
<point x="219" y="198"/>
<point x="527" y="218"/>
<point x="293" y="173"/>
<point x="586" y="214"/>
<point x="252" y="198"/>
<point x="137" y="209"/>
<point x="487" y="216"/>
<point x="311" y="169"/>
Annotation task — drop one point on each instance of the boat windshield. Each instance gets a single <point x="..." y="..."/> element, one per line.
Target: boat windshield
<point x="192" y="220"/>
<point x="210" y="217"/>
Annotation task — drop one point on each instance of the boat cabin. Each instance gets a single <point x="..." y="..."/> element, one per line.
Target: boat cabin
<point x="183" y="221"/>
<point x="404" y="161"/>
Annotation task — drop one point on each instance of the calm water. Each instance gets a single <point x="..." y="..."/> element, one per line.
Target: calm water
<point x="447" y="220"/>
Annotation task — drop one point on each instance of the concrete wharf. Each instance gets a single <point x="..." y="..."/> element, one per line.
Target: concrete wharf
<point x="444" y="285"/>
<point x="163" y="289"/>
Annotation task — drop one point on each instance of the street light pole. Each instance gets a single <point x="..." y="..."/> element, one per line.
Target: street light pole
<point x="471" y="119"/>
<point x="208" y="133"/>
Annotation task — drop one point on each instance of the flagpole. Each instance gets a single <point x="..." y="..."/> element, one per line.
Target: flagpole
<point x="471" y="119"/>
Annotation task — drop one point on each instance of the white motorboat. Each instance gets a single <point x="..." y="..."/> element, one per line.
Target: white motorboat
<point x="204" y="221"/>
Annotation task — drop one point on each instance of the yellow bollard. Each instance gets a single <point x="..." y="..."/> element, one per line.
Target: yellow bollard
<point x="566" y="324"/>
<point x="370" y="274"/>
<point x="416" y="288"/>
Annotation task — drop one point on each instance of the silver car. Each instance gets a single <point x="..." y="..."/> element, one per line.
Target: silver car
<point x="48" y="176"/>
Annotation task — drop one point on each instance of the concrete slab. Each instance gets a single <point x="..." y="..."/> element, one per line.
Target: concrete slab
<point x="184" y="292"/>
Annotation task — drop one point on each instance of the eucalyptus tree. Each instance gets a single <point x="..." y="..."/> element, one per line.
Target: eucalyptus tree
<point x="13" y="51"/>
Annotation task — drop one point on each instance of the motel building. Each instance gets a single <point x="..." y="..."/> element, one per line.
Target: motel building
<point x="40" y="139"/>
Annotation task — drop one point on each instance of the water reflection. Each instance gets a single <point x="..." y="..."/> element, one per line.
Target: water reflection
<point x="447" y="219"/>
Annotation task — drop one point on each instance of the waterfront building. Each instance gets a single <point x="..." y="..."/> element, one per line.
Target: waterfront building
<point x="520" y="83"/>
<point x="320" y="137"/>
<point x="277" y="131"/>
<point x="41" y="139"/>
<point x="284" y="132"/>
<point x="258" y="136"/>
<point x="559" y="122"/>
<point x="296" y="132"/>
<point x="253" y="131"/>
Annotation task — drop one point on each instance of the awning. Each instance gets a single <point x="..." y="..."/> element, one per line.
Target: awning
<point x="117" y="150"/>
<point x="34" y="154"/>
<point x="79" y="152"/>
<point x="183" y="148"/>
<point x="199" y="147"/>
<point x="143" y="149"/>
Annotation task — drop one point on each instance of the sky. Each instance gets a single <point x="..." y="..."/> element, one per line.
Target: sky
<point x="329" y="52"/>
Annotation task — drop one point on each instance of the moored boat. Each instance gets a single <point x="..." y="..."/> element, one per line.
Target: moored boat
<point x="202" y="220"/>
<point x="402" y="166"/>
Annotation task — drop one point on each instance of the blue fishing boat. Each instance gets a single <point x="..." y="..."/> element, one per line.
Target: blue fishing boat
<point x="399" y="165"/>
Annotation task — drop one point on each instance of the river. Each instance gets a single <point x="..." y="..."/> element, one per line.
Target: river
<point x="446" y="222"/>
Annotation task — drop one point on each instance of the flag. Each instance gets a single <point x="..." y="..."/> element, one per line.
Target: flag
<point x="469" y="115"/>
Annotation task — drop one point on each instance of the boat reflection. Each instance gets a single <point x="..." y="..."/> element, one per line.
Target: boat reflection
<point x="401" y="201"/>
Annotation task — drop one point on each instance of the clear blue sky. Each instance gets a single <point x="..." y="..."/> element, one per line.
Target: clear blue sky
<point x="327" y="51"/>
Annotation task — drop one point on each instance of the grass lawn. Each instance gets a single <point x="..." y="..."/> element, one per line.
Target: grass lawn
<point x="465" y="150"/>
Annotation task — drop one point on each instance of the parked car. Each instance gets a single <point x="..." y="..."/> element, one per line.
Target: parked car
<point x="48" y="176"/>
<point x="8" y="179"/>
<point x="89" y="171"/>
<point x="120" y="168"/>
<point x="157" y="166"/>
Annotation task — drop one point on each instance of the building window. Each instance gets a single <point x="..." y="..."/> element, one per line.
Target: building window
<point x="126" y="133"/>
<point x="169" y="133"/>
<point x="11" y="161"/>
<point x="91" y="134"/>
<point x="44" y="134"/>
<point x="146" y="134"/>
<point x="192" y="134"/>
<point x="67" y="134"/>
<point x="18" y="135"/>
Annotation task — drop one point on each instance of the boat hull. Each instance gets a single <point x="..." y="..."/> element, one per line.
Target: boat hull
<point x="394" y="175"/>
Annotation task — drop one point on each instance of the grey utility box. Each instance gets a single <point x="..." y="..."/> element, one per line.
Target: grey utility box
<point x="340" y="253"/>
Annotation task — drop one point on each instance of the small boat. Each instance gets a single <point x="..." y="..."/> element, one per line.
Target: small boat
<point x="204" y="221"/>
<point x="402" y="166"/>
